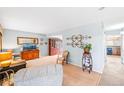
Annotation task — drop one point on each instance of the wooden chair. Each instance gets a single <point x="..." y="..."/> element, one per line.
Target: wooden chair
<point x="64" y="58"/>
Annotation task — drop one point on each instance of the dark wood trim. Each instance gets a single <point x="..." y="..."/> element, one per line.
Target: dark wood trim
<point x="50" y="47"/>
<point x="36" y="41"/>
<point x="1" y="41"/>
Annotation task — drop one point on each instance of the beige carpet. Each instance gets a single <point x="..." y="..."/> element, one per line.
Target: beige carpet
<point x="113" y="73"/>
<point x="74" y="76"/>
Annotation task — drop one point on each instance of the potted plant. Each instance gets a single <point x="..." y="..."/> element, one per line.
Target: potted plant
<point x="87" y="48"/>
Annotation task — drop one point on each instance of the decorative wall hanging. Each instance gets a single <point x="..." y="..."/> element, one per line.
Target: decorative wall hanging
<point x="23" y="40"/>
<point x="45" y="43"/>
<point x="42" y="41"/>
<point x="77" y="40"/>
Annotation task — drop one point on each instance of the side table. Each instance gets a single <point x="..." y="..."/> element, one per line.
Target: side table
<point x="16" y="65"/>
<point x="7" y="78"/>
<point x="87" y="62"/>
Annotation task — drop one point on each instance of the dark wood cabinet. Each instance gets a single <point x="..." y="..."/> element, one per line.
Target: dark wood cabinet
<point x="55" y="45"/>
<point x="30" y="54"/>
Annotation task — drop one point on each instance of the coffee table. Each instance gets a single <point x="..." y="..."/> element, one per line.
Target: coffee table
<point x="15" y="65"/>
<point x="13" y="68"/>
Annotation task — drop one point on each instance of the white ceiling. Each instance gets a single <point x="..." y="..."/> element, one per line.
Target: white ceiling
<point x="47" y="20"/>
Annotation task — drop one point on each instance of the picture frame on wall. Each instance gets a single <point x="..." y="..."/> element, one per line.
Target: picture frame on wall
<point x="24" y="40"/>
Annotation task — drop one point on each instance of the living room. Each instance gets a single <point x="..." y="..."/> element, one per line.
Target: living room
<point x="28" y="38"/>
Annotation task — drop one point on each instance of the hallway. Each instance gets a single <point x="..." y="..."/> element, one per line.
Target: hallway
<point x="113" y="74"/>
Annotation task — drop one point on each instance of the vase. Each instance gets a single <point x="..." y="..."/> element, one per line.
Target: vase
<point x="86" y="50"/>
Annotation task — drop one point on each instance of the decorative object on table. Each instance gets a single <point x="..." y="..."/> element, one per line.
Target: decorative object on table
<point x="64" y="58"/>
<point x="87" y="47"/>
<point x="77" y="40"/>
<point x="16" y="56"/>
<point x="87" y="58"/>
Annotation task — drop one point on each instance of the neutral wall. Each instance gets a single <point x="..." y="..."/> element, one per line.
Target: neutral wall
<point x="10" y="40"/>
<point x="97" y="41"/>
<point x="113" y="32"/>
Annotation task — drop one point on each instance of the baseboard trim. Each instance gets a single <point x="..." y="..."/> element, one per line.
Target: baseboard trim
<point x="100" y="72"/>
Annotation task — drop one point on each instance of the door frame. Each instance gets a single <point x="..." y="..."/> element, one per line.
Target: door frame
<point x="0" y="41"/>
<point x="122" y="43"/>
<point x="105" y="50"/>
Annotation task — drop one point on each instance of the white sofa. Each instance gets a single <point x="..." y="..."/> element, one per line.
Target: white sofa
<point x="46" y="75"/>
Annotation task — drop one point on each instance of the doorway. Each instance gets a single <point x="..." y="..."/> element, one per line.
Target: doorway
<point x="113" y="48"/>
<point x="55" y="45"/>
<point x="113" y="69"/>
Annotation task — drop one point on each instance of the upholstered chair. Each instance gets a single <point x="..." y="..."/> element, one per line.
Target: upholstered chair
<point x="5" y="59"/>
<point x="64" y="58"/>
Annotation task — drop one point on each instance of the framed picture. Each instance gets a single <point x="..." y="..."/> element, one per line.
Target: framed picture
<point x="24" y="40"/>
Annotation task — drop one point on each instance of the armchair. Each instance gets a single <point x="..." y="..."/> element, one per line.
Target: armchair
<point x="64" y="58"/>
<point x="5" y="59"/>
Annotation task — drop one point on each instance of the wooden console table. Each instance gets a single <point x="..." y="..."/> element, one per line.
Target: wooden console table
<point x="30" y="54"/>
